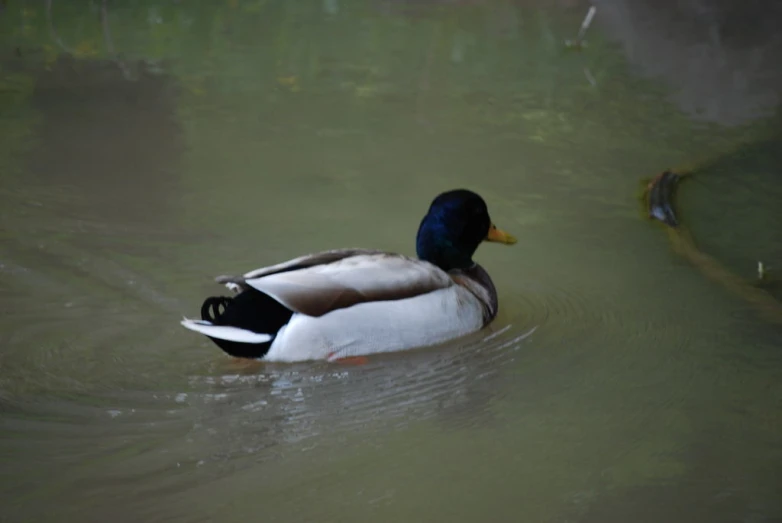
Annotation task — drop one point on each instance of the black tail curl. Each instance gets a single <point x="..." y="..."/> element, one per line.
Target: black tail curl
<point x="213" y="308"/>
<point x="250" y="310"/>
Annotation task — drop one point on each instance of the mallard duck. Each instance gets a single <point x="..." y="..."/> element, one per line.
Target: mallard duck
<point x="353" y="302"/>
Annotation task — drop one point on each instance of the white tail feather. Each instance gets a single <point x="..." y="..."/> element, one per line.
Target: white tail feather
<point x="225" y="332"/>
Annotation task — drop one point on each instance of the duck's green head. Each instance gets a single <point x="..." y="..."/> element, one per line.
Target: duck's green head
<point x="457" y="222"/>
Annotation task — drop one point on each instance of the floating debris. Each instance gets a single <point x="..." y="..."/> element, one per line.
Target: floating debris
<point x="761" y="271"/>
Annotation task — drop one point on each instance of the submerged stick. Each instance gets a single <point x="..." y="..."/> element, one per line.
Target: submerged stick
<point x="659" y="201"/>
<point x="764" y="303"/>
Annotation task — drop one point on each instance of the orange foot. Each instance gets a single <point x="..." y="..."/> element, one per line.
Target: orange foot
<point x="348" y="360"/>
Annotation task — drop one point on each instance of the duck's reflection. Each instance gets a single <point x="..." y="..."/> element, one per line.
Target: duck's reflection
<point x="246" y="407"/>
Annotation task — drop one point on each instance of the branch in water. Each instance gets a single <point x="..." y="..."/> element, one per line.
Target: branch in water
<point x="586" y="23"/>
<point x="579" y="42"/>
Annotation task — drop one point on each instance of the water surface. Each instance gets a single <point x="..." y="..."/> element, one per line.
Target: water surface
<point x="150" y="147"/>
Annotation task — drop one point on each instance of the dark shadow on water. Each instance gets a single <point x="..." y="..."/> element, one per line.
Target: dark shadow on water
<point x="719" y="58"/>
<point x="113" y="141"/>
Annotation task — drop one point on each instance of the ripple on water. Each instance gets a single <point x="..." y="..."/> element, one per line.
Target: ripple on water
<point x="85" y="323"/>
<point x="126" y="374"/>
<point x="260" y="406"/>
<point x="130" y="372"/>
<point x="574" y="310"/>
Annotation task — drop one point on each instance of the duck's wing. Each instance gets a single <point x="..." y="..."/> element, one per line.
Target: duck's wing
<point x="237" y="283"/>
<point x="320" y="283"/>
<point x="310" y="260"/>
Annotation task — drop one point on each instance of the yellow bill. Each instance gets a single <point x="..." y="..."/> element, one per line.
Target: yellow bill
<point x="499" y="236"/>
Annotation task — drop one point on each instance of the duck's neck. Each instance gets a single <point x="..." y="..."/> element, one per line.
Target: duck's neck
<point x="436" y="245"/>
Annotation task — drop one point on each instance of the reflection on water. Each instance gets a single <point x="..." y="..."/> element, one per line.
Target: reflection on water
<point x="718" y="70"/>
<point x="108" y="142"/>
<point x="616" y="384"/>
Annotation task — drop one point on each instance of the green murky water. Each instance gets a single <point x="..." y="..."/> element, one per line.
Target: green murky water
<point x="147" y="148"/>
